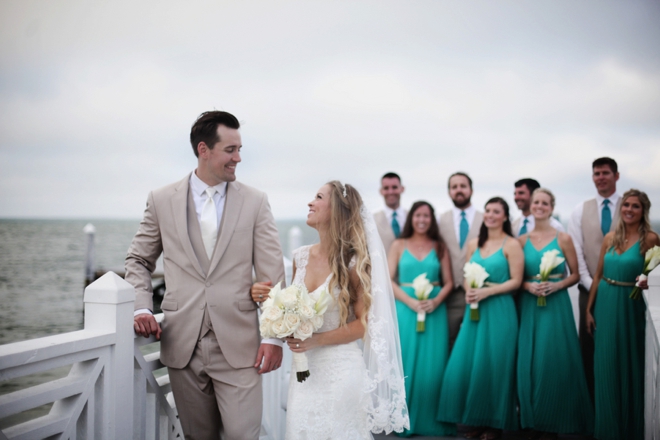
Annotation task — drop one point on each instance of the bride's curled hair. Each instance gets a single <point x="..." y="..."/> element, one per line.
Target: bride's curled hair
<point x="348" y="241"/>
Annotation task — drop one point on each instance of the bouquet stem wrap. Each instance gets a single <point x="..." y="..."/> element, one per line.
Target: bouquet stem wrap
<point x="474" y="311"/>
<point x="300" y="366"/>
<point x="421" y="321"/>
<point x="651" y="261"/>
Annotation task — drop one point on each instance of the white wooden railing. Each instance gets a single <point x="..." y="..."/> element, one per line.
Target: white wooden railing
<point x="115" y="387"/>
<point x="652" y="380"/>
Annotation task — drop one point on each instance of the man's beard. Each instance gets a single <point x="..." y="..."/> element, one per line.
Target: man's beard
<point x="461" y="204"/>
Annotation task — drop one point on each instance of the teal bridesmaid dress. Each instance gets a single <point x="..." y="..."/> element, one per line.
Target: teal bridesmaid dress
<point x="619" y="349"/>
<point x="552" y="388"/>
<point x="479" y="386"/>
<point x="424" y="354"/>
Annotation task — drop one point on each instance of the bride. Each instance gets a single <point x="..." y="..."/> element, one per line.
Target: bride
<point x="356" y="384"/>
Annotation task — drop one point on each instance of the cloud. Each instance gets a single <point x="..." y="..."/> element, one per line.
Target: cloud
<point x="98" y="98"/>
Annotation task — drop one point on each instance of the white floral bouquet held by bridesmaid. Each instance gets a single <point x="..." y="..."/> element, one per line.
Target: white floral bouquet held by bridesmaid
<point x="476" y="276"/>
<point x="423" y="289"/>
<point x="293" y="312"/>
<point x="651" y="261"/>
<point x="549" y="261"/>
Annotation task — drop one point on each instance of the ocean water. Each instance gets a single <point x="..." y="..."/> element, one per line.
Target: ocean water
<point x="42" y="266"/>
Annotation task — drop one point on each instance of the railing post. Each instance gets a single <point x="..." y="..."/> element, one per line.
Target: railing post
<point x="89" y="231"/>
<point x="109" y="307"/>
<point x="652" y="361"/>
<point x="295" y="240"/>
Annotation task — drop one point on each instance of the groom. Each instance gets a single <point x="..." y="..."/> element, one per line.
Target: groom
<point x="212" y="231"/>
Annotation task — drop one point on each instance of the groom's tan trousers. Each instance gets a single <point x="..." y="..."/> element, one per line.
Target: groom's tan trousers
<point x="208" y="384"/>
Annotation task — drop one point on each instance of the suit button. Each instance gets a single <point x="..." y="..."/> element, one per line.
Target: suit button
<point x="208" y="284"/>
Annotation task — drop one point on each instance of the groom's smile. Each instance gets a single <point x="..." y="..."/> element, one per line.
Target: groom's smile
<point x="218" y="164"/>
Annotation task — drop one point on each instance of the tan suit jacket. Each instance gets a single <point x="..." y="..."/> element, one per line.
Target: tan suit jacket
<point x="247" y="238"/>
<point x="456" y="253"/>
<point x="385" y="229"/>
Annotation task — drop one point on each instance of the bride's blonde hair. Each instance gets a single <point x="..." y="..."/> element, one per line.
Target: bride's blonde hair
<point x="618" y="241"/>
<point x="348" y="240"/>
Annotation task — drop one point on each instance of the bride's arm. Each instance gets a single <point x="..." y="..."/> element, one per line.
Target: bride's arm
<point x="260" y="290"/>
<point x="342" y="335"/>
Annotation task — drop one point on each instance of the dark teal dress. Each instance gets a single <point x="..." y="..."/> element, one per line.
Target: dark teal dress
<point x="479" y="387"/>
<point x="552" y="388"/>
<point x="619" y="350"/>
<point x="424" y="354"/>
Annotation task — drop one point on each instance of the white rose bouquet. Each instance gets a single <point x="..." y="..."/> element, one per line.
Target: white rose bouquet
<point x="476" y="276"/>
<point x="291" y="311"/>
<point x="423" y="289"/>
<point x="651" y="261"/>
<point x="549" y="261"/>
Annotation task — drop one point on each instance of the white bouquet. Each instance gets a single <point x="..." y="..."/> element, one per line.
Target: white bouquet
<point x="291" y="311"/>
<point x="423" y="289"/>
<point x="475" y="275"/>
<point x="549" y="261"/>
<point x="651" y="261"/>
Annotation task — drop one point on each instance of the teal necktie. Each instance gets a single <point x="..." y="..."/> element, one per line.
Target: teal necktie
<point x="464" y="228"/>
<point x="523" y="230"/>
<point x="606" y="217"/>
<point x="395" y="226"/>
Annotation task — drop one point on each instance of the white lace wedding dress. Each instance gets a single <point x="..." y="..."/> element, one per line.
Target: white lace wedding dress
<point x="331" y="403"/>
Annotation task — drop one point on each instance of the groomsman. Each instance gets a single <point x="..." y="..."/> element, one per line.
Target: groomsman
<point x="589" y="223"/>
<point x="522" y="195"/>
<point x="390" y="220"/>
<point x="457" y="226"/>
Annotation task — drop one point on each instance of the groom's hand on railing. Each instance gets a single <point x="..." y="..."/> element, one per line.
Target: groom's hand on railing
<point x="145" y="325"/>
<point x="269" y="357"/>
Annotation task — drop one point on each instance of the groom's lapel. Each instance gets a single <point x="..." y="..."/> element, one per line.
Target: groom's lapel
<point x="179" y="203"/>
<point x="231" y="213"/>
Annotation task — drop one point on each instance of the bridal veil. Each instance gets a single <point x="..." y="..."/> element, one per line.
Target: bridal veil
<point x="386" y="407"/>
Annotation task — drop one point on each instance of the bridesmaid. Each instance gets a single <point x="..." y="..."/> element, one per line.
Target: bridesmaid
<point x="421" y="250"/>
<point x="552" y="388"/>
<point x="479" y="386"/>
<point x="618" y="322"/>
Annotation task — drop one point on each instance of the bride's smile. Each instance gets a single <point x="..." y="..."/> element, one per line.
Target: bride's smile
<point x="319" y="208"/>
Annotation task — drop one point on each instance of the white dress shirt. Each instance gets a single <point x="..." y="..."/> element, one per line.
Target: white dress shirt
<point x="531" y="223"/>
<point x="400" y="215"/>
<point x="575" y="231"/>
<point x="469" y="216"/>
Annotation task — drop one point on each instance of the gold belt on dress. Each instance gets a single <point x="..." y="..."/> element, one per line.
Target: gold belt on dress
<point x="488" y="283"/>
<point x="435" y="283"/>
<point x="619" y="283"/>
<point x="556" y="276"/>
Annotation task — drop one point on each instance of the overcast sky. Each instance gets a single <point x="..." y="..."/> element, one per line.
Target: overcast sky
<point x="97" y="98"/>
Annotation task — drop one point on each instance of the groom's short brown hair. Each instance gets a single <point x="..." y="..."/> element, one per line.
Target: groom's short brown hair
<point x="205" y="128"/>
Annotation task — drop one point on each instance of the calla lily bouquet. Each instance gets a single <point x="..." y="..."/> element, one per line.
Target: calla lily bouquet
<point x="293" y="312"/>
<point x="476" y="276"/>
<point x="651" y="261"/>
<point x="423" y="289"/>
<point x="549" y="261"/>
